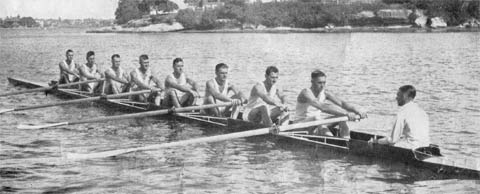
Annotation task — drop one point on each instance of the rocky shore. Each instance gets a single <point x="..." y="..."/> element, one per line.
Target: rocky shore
<point x="176" y="27"/>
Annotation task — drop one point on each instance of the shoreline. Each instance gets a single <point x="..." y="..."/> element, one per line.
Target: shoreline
<point x="390" y="29"/>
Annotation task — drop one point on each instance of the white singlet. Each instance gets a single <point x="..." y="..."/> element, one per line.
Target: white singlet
<point x="71" y="67"/>
<point x="256" y="101"/>
<point x="305" y="112"/>
<point x="217" y="88"/>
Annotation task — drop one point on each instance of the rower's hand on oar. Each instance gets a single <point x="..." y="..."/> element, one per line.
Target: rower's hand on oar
<point x="194" y="93"/>
<point x="236" y="102"/>
<point x="352" y="116"/>
<point x="363" y="115"/>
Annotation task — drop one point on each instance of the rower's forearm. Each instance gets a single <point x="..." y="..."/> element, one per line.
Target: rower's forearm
<point x="350" y="108"/>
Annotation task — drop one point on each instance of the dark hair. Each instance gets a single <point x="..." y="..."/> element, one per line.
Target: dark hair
<point x="318" y="73"/>
<point x="409" y="90"/>
<point x="221" y="65"/>
<point x="90" y="53"/>
<point x="143" y="57"/>
<point x="115" y="55"/>
<point x="176" y="60"/>
<point x="271" y="69"/>
<point x="69" y="51"/>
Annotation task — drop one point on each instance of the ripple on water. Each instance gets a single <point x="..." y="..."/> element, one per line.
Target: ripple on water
<point x="446" y="78"/>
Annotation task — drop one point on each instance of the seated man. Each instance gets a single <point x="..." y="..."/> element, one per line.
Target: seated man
<point x="217" y="90"/>
<point x="181" y="91"/>
<point x="262" y="106"/>
<point x="68" y="69"/>
<point x="89" y="71"/>
<point x="311" y="106"/>
<point x="411" y="128"/>
<point x="142" y="79"/>
<point x="116" y="79"/>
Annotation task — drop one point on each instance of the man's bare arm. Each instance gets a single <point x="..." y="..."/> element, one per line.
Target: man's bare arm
<point x="217" y="95"/>
<point x="65" y="69"/>
<point x="345" y="105"/>
<point x="308" y="97"/>
<point x="87" y="74"/>
<point x="139" y="83"/>
<point x="193" y="83"/>
<point x="113" y="76"/>
<point x="262" y="93"/>
<point x="172" y="83"/>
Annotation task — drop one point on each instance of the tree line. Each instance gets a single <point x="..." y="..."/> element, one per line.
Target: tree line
<point x="303" y="13"/>
<point x="18" y="21"/>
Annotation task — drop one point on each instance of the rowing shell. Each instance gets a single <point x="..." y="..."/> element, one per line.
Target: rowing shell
<point x="357" y="144"/>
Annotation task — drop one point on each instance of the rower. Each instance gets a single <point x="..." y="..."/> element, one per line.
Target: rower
<point x="89" y="71"/>
<point x="411" y="128"/>
<point x="68" y="69"/>
<point x="181" y="90"/>
<point x="262" y="106"/>
<point x="217" y="90"/>
<point x="117" y="80"/>
<point x="142" y="79"/>
<point x="312" y="105"/>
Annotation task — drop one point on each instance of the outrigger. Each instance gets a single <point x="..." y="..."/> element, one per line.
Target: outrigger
<point x="428" y="158"/>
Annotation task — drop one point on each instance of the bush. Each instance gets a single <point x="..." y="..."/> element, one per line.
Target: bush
<point x="127" y="10"/>
<point x="188" y="18"/>
<point x="208" y="20"/>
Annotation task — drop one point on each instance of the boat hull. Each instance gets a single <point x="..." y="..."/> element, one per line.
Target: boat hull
<point x="441" y="167"/>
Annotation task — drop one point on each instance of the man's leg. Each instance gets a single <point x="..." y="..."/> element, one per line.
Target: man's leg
<point x="186" y="100"/>
<point x="262" y="112"/>
<point x="171" y="99"/>
<point x="210" y="111"/>
<point x="278" y="116"/>
<point x="344" y="130"/>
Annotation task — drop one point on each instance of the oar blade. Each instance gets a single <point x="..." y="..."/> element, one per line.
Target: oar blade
<point x="6" y="110"/>
<point x="22" y="126"/>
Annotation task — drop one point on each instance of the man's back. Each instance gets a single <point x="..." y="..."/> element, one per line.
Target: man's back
<point x="413" y="122"/>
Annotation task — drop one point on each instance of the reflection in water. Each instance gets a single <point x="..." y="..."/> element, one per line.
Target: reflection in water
<point x="363" y="68"/>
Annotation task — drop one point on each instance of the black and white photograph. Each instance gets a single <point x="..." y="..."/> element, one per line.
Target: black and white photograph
<point x="240" y="96"/>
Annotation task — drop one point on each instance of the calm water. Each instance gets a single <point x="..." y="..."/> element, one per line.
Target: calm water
<point x="363" y="68"/>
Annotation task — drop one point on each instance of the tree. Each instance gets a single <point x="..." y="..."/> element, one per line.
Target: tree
<point x="127" y="10"/>
<point x="28" y="22"/>
<point x="473" y="9"/>
<point x="188" y="18"/>
<point x="208" y="20"/>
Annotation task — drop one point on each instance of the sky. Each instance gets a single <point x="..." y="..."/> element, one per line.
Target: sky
<point x="66" y="9"/>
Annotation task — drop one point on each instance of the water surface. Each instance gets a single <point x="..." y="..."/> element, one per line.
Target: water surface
<point x="363" y="68"/>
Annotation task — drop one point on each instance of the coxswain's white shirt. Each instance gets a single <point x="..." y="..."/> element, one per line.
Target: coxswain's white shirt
<point x="411" y="129"/>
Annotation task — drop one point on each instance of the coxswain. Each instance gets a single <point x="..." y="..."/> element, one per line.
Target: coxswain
<point x="411" y="128"/>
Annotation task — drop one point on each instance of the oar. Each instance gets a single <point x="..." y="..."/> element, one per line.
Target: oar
<point x="127" y="116"/>
<point x="78" y="100"/>
<point x="262" y="131"/>
<point x="50" y="87"/>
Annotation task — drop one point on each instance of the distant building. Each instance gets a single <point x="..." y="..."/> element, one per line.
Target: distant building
<point x="394" y="13"/>
<point x="203" y="4"/>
